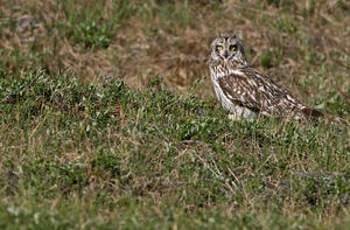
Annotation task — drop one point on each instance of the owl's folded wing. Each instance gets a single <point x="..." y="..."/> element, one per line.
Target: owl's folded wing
<point x="259" y="94"/>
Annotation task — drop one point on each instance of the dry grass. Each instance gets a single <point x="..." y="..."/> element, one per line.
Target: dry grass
<point x="100" y="154"/>
<point x="152" y="40"/>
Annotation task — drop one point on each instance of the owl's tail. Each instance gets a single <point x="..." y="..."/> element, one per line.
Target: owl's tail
<point x="312" y="114"/>
<point x="316" y="115"/>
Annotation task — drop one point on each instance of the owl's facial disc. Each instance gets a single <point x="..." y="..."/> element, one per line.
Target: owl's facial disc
<point x="228" y="48"/>
<point x="224" y="48"/>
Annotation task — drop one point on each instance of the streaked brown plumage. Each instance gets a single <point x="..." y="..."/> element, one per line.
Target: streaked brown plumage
<point x="246" y="92"/>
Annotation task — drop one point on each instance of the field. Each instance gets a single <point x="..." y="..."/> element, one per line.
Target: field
<point x="108" y="119"/>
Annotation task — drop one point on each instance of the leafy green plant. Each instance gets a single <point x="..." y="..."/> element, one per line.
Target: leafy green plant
<point x="91" y="26"/>
<point x="266" y="59"/>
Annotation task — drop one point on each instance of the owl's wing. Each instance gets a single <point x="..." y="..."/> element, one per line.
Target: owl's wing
<point x="248" y="88"/>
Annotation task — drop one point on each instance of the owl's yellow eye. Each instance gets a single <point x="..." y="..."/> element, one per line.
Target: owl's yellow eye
<point x="219" y="48"/>
<point x="232" y="48"/>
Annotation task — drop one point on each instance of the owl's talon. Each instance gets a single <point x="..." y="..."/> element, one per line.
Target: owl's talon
<point x="234" y="117"/>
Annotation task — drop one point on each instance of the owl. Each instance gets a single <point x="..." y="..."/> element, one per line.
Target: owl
<point x="246" y="92"/>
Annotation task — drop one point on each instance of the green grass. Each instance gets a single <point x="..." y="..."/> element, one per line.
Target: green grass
<point x="98" y="155"/>
<point x="108" y="119"/>
<point x="93" y="25"/>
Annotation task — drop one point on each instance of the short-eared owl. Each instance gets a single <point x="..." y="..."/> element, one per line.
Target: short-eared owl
<point x="244" y="91"/>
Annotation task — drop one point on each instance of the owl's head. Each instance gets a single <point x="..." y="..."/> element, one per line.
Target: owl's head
<point x="227" y="47"/>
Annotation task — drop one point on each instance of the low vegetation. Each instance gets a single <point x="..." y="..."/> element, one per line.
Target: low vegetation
<point x="108" y="119"/>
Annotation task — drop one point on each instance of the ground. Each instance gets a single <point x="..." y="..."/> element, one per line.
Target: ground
<point x="108" y="118"/>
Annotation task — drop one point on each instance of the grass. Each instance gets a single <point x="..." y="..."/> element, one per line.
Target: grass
<point x="100" y="154"/>
<point x="94" y="25"/>
<point x="108" y="119"/>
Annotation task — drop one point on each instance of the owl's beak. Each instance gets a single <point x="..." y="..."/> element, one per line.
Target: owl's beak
<point x="226" y="54"/>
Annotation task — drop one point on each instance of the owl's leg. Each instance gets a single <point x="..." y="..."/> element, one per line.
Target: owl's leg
<point x="234" y="117"/>
<point x="239" y="113"/>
